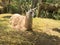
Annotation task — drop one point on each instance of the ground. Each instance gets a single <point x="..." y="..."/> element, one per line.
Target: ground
<point x="45" y="32"/>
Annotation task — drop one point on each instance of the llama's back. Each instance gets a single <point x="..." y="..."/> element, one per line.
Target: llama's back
<point x="18" y="21"/>
<point x="14" y="19"/>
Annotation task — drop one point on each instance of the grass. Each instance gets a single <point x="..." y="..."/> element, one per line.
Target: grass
<point x="45" y="32"/>
<point x="47" y="26"/>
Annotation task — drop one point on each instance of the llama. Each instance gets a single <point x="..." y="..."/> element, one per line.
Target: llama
<point x="20" y="22"/>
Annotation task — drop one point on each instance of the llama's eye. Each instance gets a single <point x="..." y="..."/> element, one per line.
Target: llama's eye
<point x="30" y="12"/>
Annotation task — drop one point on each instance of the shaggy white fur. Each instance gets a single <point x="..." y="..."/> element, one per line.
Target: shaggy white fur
<point x="17" y="22"/>
<point x="20" y="22"/>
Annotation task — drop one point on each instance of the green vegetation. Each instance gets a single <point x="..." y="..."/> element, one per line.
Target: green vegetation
<point x="45" y="8"/>
<point x="45" y="32"/>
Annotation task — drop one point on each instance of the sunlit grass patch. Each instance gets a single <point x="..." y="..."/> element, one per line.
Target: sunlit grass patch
<point x="41" y="23"/>
<point x="4" y="22"/>
<point x="46" y="25"/>
<point x="38" y="23"/>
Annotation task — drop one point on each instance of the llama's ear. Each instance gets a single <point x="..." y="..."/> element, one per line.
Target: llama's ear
<point x="34" y="8"/>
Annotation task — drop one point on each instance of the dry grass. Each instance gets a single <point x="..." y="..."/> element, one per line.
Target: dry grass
<point x="49" y="23"/>
<point x="2" y="15"/>
<point x="47" y="26"/>
<point x="44" y="30"/>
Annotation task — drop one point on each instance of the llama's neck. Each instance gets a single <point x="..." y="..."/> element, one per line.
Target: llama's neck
<point x="29" y="21"/>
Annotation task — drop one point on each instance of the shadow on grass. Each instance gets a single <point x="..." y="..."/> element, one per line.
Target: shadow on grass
<point x="39" y="38"/>
<point x="6" y="16"/>
<point x="28" y="38"/>
<point x="56" y="29"/>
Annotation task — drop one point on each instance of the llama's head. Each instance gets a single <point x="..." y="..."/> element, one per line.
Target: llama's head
<point x="31" y="12"/>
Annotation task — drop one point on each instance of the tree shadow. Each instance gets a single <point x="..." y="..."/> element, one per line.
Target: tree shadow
<point x="56" y="29"/>
<point x="34" y="37"/>
<point x="39" y="38"/>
